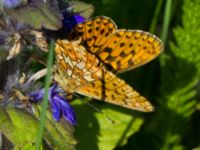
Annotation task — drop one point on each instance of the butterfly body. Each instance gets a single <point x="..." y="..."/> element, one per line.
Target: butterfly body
<point x="77" y="66"/>
<point x="85" y="63"/>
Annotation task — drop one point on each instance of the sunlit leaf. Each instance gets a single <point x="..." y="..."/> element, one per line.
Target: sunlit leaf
<point x="97" y="131"/>
<point x="84" y="9"/>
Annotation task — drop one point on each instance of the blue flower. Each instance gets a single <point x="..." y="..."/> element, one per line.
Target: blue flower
<point x="11" y="3"/>
<point x="2" y="40"/>
<point x="70" y="20"/>
<point x="59" y="104"/>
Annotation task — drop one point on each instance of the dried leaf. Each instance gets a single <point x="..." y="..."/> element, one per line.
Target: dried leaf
<point x="16" y="48"/>
<point x="41" y="40"/>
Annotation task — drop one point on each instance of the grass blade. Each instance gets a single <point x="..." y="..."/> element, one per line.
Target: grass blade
<point x="155" y="16"/>
<point x="167" y="17"/>
<point x="45" y="99"/>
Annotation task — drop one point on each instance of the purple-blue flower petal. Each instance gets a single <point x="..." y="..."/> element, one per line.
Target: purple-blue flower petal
<point x="2" y="40"/>
<point x="79" y="18"/>
<point x="11" y="3"/>
<point x="67" y="110"/>
<point x="52" y="91"/>
<point x="59" y="104"/>
<point x="55" y="111"/>
<point x="70" y="21"/>
<point x="36" y="95"/>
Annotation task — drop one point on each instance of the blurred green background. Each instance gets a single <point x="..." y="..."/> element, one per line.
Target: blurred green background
<point x="171" y="82"/>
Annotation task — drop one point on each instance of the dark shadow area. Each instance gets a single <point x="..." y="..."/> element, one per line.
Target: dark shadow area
<point x="145" y="79"/>
<point x="192" y="136"/>
<point x="87" y="129"/>
<point x="125" y="14"/>
<point x="7" y="73"/>
<point x="6" y="144"/>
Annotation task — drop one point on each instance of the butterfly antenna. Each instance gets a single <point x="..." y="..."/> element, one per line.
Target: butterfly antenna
<point x="97" y="109"/>
<point x="100" y="111"/>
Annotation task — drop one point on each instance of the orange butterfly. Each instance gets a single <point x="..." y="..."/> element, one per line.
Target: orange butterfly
<point x="85" y="63"/>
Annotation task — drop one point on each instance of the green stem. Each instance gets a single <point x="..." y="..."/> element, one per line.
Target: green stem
<point x="167" y="17"/>
<point x="155" y="16"/>
<point x="45" y="99"/>
<point x="1" y="5"/>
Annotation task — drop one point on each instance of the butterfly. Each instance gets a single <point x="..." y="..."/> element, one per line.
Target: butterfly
<point x="87" y="63"/>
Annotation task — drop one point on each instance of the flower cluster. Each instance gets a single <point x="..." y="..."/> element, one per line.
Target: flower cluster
<point x="11" y="3"/>
<point x="18" y="28"/>
<point x="25" y="29"/>
<point x="59" y="104"/>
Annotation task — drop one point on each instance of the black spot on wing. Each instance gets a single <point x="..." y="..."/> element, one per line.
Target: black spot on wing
<point x="122" y="54"/>
<point x="97" y="28"/>
<point x="122" y="44"/>
<point x="108" y="49"/>
<point x="110" y="58"/>
<point x="130" y="62"/>
<point x="90" y="31"/>
<point x="130" y="45"/>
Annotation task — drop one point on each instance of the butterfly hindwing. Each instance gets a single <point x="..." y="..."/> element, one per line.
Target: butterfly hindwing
<point x="114" y="90"/>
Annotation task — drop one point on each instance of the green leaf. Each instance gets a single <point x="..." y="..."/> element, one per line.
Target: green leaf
<point x="58" y="134"/>
<point x="187" y="37"/>
<point x="20" y="127"/>
<point x="104" y="131"/>
<point x="84" y="9"/>
<point x="180" y="71"/>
